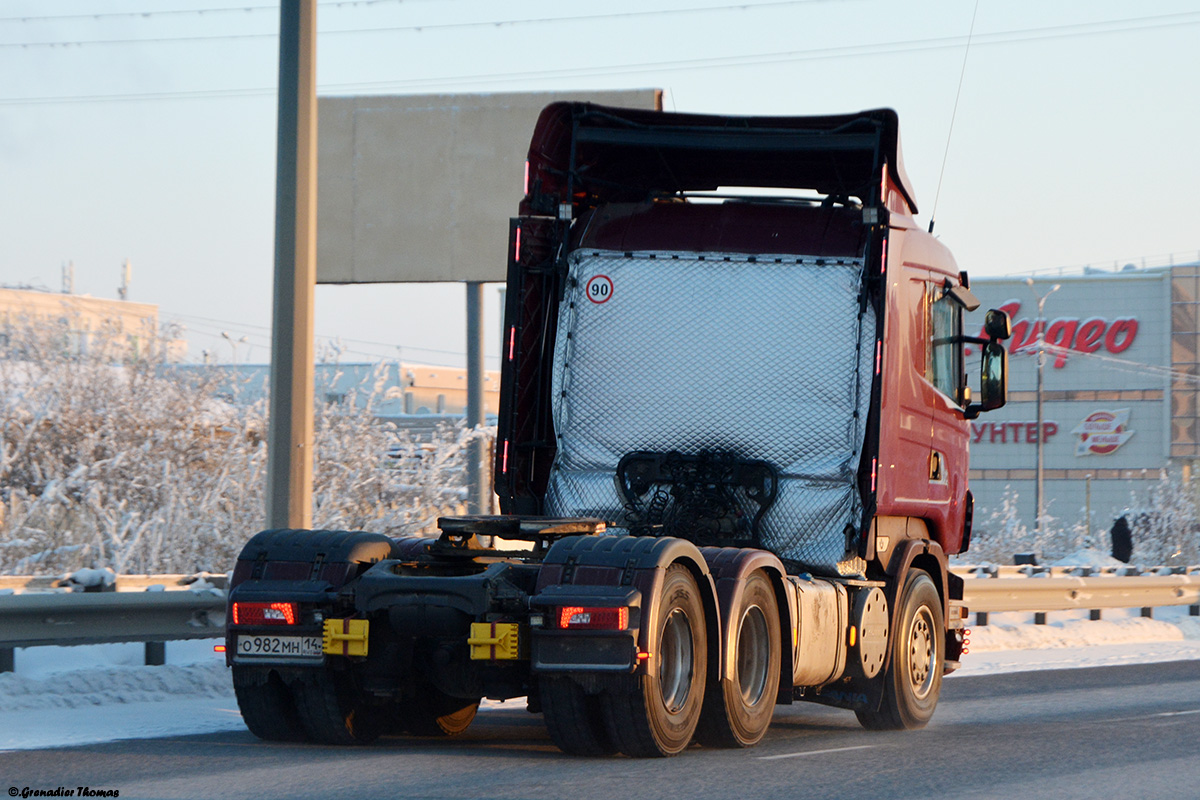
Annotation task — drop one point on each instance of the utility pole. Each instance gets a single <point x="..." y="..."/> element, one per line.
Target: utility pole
<point x="479" y="494"/>
<point x="290" y="435"/>
<point x="1087" y="540"/>
<point x="1039" y="495"/>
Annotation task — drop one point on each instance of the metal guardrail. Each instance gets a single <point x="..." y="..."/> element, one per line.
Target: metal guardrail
<point x="134" y="608"/>
<point x="1064" y="594"/>
<point x="29" y="620"/>
<point x="122" y="583"/>
<point x="47" y="611"/>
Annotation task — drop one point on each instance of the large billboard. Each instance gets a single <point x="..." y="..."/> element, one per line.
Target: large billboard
<point x="1105" y="379"/>
<point x="420" y="188"/>
<point x="1106" y="395"/>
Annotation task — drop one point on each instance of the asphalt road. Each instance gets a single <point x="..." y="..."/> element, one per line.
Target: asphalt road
<point x="1116" y="732"/>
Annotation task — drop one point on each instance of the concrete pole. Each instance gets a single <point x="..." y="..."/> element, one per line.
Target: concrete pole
<point x="477" y="489"/>
<point x="1041" y="428"/>
<point x="290" y="435"/>
<point x="1088" y="505"/>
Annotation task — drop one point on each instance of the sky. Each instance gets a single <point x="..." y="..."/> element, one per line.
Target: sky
<point x="1063" y="135"/>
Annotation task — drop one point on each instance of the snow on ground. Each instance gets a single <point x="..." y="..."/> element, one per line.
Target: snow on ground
<point x="84" y="695"/>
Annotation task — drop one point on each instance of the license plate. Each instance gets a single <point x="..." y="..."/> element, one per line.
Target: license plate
<point x="281" y="648"/>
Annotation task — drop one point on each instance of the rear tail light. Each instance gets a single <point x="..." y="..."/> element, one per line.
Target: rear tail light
<point x="265" y="613"/>
<point x="587" y="618"/>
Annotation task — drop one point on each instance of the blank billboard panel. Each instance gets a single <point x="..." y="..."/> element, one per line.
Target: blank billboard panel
<point x="420" y="188"/>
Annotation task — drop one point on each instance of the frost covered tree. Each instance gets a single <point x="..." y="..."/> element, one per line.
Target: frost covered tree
<point x="119" y="462"/>
<point x="1165" y="523"/>
<point x="1002" y="534"/>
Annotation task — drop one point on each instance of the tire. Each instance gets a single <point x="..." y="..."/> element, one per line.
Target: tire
<point x="738" y="710"/>
<point x="913" y="680"/>
<point x="655" y="715"/>
<point x="267" y="706"/>
<point x="574" y="718"/>
<point x="435" y="713"/>
<point x="334" y="712"/>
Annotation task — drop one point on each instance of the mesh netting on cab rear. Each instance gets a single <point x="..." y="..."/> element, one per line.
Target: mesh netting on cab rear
<point x="765" y="357"/>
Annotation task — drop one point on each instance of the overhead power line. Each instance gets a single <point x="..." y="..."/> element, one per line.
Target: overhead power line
<point x="495" y="23"/>
<point x="884" y="48"/>
<point x="179" y="12"/>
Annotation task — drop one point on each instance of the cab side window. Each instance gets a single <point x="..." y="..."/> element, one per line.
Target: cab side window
<point x="944" y="368"/>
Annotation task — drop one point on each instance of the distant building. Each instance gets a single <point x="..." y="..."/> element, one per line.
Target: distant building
<point x="1119" y="398"/>
<point x="392" y="389"/>
<point x="129" y="330"/>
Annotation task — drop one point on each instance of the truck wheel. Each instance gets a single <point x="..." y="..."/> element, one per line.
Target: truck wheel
<point x="266" y="704"/>
<point x="914" y="678"/>
<point x="435" y="713"/>
<point x="738" y="710"/>
<point x="334" y="712"/>
<point x="655" y="715"/>
<point x="574" y="718"/>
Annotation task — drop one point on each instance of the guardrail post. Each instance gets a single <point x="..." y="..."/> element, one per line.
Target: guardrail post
<point x="1039" y="618"/>
<point x="7" y="659"/>
<point x="1194" y="611"/>
<point x="1148" y="612"/>
<point x="1094" y="615"/>
<point x="981" y="618"/>
<point x="156" y="654"/>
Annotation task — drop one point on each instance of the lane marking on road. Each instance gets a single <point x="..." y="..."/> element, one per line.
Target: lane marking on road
<point x="1159" y="715"/>
<point x="816" y="752"/>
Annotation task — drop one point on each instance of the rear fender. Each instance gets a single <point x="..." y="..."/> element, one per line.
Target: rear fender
<point x="730" y="567"/>
<point x="304" y="566"/>
<point x="617" y="567"/>
<point x="332" y="557"/>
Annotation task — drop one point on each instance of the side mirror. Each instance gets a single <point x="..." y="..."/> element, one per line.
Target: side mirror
<point x="997" y="325"/>
<point x="993" y="378"/>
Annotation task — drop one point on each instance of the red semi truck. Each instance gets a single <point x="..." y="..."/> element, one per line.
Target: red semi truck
<point x="731" y="461"/>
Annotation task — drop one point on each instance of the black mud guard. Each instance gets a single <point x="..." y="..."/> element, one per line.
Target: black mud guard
<point x="320" y="558"/>
<point x="729" y="567"/>
<point x="625" y="563"/>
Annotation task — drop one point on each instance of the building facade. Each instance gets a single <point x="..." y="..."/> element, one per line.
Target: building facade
<point x="1119" y="393"/>
<point x="116" y="329"/>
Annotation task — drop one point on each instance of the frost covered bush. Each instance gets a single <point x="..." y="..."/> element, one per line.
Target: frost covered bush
<point x="1166" y="527"/>
<point x="1164" y="520"/>
<point x="139" y="468"/>
<point x="1002" y="534"/>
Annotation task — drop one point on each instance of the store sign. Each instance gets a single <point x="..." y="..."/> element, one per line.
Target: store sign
<point x="1072" y="333"/>
<point x="1011" y="432"/>
<point x="1102" y="432"/>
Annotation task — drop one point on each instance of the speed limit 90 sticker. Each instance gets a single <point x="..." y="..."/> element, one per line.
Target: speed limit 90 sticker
<point x="599" y="289"/>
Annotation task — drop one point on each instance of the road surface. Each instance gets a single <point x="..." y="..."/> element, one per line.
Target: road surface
<point x="1114" y="732"/>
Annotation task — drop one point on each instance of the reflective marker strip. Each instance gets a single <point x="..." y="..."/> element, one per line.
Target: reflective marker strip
<point x="817" y="752"/>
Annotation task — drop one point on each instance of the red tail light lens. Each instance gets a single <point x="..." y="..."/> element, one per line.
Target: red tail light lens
<point x="265" y="613"/>
<point x="586" y="618"/>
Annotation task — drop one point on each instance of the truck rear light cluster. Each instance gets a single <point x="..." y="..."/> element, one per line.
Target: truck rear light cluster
<point x="265" y="613"/>
<point x="587" y="618"/>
